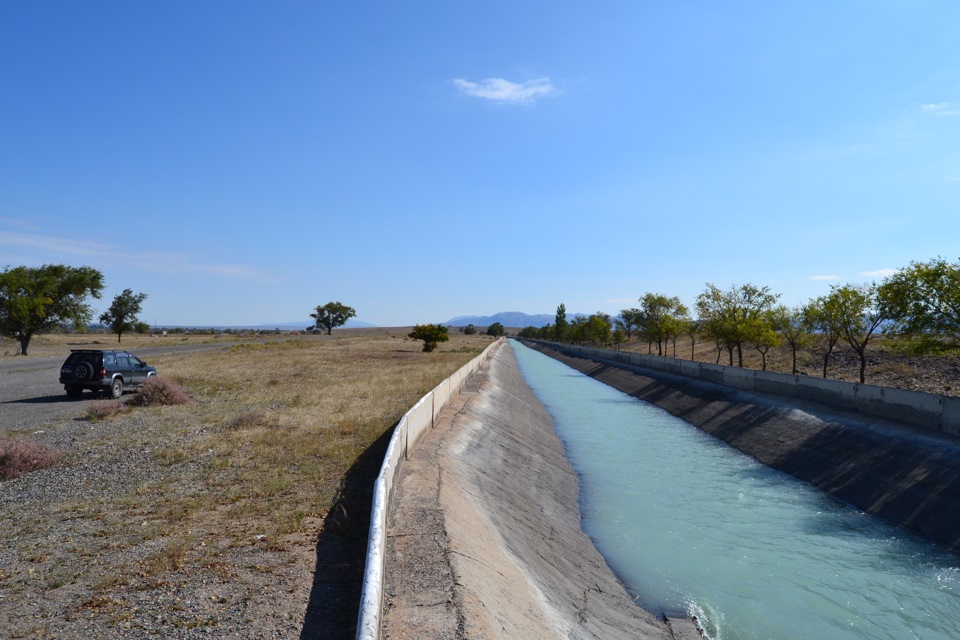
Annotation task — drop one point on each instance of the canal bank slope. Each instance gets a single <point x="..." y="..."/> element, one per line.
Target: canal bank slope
<point x="483" y="534"/>
<point x="902" y="473"/>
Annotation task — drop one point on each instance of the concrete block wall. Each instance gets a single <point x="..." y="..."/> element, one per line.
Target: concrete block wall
<point x="928" y="410"/>
<point x="412" y="426"/>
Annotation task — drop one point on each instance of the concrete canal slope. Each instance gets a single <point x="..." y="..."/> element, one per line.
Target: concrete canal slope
<point x="903" y="473"/>
<point x="483" y="530"/>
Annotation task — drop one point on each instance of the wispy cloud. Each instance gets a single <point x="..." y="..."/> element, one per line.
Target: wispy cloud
<point x="505" y="91"/>
<point x="156" y="261"/>
<point x="821" y="278"/>
<point x="941" y="109"/>
<point x="22" y="224"/>
<point x="879" y="273"/>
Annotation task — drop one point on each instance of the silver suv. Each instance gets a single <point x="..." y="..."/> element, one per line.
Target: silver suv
<point x="101" y="371"/>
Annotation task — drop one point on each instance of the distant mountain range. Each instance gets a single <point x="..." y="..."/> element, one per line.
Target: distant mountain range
<point x="515" y="319"/>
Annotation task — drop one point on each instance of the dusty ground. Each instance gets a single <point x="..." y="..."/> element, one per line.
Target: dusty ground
<point x="242" y="515"/>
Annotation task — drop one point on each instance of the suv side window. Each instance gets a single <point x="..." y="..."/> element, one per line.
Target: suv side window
<point x="109" y="360"/>
<point x="135" y="362"/>
<point x="123" y="361"/>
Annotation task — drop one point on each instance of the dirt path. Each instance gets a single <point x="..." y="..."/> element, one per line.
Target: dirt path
<point x="484" y="538"/>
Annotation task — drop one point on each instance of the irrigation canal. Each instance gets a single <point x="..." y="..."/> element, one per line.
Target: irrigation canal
<point x="690" y="523"/>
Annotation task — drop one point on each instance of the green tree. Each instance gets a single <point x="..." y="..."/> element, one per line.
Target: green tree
<point x="495" y="330"/>
<point x="431" y="334"/>
<point x="661" y="318"/>
<point x="734" y="316"/>
<point x="123" y="312"/>
<point x="793" y="325"/>
<point x="332" y="315"/>
<point x="529" y="332"/>
<point x="560" y="323"/>
<point x="859" y="315"/>
<point x="630" y="320"/>
<point x="923" y="303"/>
<point x="763" y="336"/>
<point x="37" y="299"/>
<point x="692" y="328"/>
<point x="469" y="330"/>
<point x="596" y="329"/>
<point x="823" y="315"/>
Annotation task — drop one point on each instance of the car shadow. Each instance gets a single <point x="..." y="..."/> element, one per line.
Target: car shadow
<point x="62" y="397"/>
<point x="341" y="551"/>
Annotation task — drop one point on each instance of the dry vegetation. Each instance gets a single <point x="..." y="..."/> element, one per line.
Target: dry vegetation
<point x="222" y="501"/>
<point x="887" y="365"/>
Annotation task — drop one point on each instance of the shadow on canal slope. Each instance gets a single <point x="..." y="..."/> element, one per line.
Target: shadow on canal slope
<point x="896" y="471"/>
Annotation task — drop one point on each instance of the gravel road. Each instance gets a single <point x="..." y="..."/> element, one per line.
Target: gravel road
<point x="31" y="395"/>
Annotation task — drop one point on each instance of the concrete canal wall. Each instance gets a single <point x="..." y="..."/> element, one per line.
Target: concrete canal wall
<point x="885" y="451"/>
<point x="927" y="410"/>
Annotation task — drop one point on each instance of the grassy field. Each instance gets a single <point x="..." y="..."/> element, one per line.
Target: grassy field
<point x="230" y="488"/>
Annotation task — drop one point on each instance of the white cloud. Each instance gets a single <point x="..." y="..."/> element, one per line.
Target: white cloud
<point x="941" y="109"/>
<point x="157" y="261"/>
<point x="879" y="273"/>
<point x="823" y="277"/>
<point x="504" y="91"/>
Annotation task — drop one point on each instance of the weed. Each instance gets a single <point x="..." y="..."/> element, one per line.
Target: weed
<point x="158" y="390"/>
<point x="103" y="409"/>
<point x="19" y="456"/>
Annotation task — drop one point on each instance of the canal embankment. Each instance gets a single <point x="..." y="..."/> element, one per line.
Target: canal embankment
<point x="889" y="467"/>
<point x="484" y="535"/>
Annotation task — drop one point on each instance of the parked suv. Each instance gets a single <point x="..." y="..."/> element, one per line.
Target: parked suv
<point x="107" y="372"/>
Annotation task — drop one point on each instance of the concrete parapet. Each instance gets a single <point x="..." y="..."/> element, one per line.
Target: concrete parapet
<point x="926" y="410"/>
<point x="950" y="421"/>
<point x="833" y="392"/>
<point x="738" y="378"/>
<point x="783" y="384"/>
<point x="711" y="372"/>
<point x="914" y="407"/>
<point x="407" y="433"/>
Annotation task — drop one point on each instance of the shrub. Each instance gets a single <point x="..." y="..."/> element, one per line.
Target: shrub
<point x="19" y="456"/>
<point x="160" y="391"/>
<point x="103" y="409"/>
<point x="431" y="334"/>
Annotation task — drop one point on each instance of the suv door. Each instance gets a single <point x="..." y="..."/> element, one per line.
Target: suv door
<point x="138" y="370"/>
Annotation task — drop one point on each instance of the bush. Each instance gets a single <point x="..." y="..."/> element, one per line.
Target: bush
<point x="19" y="456"/>
<point x="431" y="334"/>
<point x="103" y="409"/>
<point x="160" y="391"/>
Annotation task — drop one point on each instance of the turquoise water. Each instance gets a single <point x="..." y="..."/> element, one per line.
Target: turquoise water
<point x="690" y="523"/>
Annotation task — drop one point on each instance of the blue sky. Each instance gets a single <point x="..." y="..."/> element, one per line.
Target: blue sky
<point x="244" y="162"/>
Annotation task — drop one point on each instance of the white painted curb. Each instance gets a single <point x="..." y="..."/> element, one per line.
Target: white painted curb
<point x="411" y="427"/>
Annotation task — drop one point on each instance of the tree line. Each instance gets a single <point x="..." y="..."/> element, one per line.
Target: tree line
<point x="38" y="299"/>
<point x="920" y="304"/>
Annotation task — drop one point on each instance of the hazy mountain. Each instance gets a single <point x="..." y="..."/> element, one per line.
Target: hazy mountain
<point x="515" y="319"/>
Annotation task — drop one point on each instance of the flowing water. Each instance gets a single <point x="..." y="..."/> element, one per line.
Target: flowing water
<point x="687" y="522"/>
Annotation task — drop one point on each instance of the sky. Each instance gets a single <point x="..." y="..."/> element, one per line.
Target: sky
<point x="245" y="162"/>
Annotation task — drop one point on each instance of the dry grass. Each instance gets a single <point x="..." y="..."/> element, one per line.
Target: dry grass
<point x="19" y="456"/>
<point x="252" y="465"/>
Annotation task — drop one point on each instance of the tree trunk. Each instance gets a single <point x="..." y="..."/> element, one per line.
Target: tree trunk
<point x="794" y="360"/>
<point x="24" y="343"/>
<point x="863" y="364"/>
<point x="826" y="360"/>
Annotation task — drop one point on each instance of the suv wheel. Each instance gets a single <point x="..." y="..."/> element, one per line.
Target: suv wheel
<point x="116" y="388"/>
<point x="83" y="371"/>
